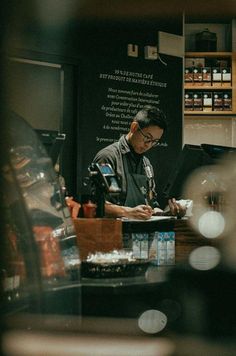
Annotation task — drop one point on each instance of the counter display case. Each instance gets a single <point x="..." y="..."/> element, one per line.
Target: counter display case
<point x="41" y="264"/>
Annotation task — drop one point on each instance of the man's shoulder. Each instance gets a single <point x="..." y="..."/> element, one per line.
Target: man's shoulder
<point x="107" y="152"/>
<point x="110" y="148"/>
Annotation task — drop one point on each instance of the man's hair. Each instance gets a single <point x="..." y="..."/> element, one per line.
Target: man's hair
<point x="151" y="116"/>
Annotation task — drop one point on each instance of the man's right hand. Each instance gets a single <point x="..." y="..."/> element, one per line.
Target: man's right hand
<point x="142" y="212"/>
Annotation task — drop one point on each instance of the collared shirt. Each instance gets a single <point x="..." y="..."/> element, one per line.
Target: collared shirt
<point x="113" y="154"/>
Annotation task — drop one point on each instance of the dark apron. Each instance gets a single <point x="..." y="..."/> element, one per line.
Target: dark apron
<point x="136" y="186"/>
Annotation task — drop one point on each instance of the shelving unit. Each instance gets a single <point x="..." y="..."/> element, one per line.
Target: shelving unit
<point x="204" y="87"/>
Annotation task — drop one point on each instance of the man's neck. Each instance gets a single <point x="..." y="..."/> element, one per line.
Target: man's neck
<point x="127" y="137"/>
<point x="136" y="156"/>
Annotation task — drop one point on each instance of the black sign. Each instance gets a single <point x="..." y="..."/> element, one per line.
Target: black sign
<point x="111" y="96"/>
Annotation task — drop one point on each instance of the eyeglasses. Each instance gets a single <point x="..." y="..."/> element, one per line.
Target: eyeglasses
<point x="148" y="139"/>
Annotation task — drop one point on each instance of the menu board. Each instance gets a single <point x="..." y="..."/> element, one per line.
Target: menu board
<point x="112" y="93"/>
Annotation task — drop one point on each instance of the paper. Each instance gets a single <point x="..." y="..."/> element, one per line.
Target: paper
<point x="153" y="218"/>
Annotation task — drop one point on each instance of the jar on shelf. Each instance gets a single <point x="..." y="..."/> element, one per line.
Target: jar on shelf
<point x="206" y="41"/>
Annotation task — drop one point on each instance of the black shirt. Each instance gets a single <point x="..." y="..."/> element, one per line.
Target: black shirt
<point x="114" y="155"/>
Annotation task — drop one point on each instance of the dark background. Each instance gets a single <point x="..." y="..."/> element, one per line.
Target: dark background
<point x="59" y="89"/>
<point x="94" y="124"/>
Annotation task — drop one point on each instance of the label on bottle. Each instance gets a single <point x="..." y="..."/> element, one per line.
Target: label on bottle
<point x="153" y="247"/>
<point x="170" y="247"/>
<point x="136" y="245"/>
<point x="161" y="249"/>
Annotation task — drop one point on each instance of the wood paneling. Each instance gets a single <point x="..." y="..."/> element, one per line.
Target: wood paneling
<point x="186" y="240"/>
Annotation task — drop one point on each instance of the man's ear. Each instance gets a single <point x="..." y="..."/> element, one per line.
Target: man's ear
<point x="134" y="126"/>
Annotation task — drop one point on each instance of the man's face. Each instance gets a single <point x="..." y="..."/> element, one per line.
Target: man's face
<point x="144" y="139"/>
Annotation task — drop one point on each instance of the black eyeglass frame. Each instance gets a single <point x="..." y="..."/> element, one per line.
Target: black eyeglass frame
<point x="147" y="139"/>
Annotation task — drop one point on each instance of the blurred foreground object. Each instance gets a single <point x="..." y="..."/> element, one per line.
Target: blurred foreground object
<point x="213" y="191"/>
<point x="41" y="249"/>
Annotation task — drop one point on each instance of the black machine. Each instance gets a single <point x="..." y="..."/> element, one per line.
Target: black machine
<point x="216" y="152"/>
<point x="191" y="158"/>
<point x="104" y="181"/>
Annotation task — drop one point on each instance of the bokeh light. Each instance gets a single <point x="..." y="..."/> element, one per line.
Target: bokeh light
<point x="204" y="258"/>
<point x="152" y="321"/>
<point x="211" y="224"/>
<point x="212" y="190"/>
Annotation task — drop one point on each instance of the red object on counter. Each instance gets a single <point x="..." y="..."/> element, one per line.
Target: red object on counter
<point x="52" y="264"/>
<point x="89" y="210"/>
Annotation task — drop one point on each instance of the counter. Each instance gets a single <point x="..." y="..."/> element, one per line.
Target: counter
<point x="107" y="234"/>
<point x="129" y="297"/>
<point x="125" y="297"/>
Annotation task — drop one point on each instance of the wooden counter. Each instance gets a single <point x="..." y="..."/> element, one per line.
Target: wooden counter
<point x="129" y="297"/>
<point x="186" y="240"/>
<point x="96" y="234"/>
<point x="105" y="235"/>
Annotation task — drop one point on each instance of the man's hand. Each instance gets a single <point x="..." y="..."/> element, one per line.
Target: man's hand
<point x="158" y="212"/>
<point x="176" y="209"/>
<point x="142" y="212"/>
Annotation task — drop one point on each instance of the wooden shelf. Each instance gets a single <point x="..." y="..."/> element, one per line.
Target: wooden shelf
<point x="224" y="88"/>
<point x="208" y="87"/>
<point x="208" y="54"/>
<point x="209" y="113"/>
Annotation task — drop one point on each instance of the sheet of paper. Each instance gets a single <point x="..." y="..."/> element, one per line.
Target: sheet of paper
<point x="153" y="218"/>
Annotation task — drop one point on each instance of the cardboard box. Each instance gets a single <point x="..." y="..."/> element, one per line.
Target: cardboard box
<point x="206" y="75"/>
<point x="197" y="75"/>
<point x="227" y="101"/>
<point x="98" y="235"/>
<point x="207" y="101"/>
<point x="216" y="76"/>
<point x="188" y="101"/>
<point x="188" y="75"/>
<point x="226" y="76"/>
<point x="197" y="101"/>
<point x="218" y="101"/>
<point x="195" y="62"/>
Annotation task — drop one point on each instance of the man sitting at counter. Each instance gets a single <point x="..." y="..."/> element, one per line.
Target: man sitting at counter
<point x="134" y="170"/>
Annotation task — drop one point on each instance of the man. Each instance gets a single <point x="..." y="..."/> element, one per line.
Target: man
<point x="134" y="170"/>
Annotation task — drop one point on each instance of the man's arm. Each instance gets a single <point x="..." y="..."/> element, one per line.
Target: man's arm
<point x="105" y="156"/>
<point x="142" y="212"/>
